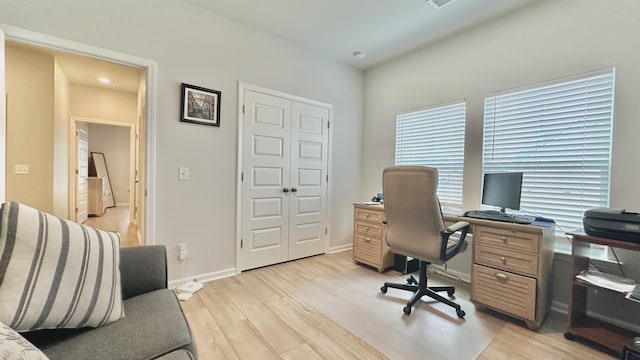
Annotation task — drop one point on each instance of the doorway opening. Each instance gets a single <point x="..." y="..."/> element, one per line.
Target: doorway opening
<point x="79" y="98"/>
<point x="105" y="161"/>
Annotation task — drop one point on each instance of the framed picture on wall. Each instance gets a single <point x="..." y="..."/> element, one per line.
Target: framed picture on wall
<point x="200" y="105"/>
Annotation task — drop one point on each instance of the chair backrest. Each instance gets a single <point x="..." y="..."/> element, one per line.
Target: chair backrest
<point x="412" y="210"/>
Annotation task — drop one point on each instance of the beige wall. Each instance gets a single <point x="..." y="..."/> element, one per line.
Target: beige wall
<point x="29" y="86"/>
<point x="60" y="143"/>
<point x="104" y="104"/>
<point x="113" y="141"/>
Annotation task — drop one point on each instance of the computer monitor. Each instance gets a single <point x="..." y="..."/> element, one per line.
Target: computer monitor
<point x="502" y="190"/>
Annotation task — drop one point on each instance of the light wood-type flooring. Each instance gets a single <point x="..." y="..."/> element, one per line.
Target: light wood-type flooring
<point x="255" y="315"/>
<point x="116" y="219"/>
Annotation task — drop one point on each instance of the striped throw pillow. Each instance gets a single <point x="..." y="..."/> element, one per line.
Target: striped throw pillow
<point x="55" y="273"/>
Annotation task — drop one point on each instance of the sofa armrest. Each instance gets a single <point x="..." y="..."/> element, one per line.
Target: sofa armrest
<point x="143" y="269"/>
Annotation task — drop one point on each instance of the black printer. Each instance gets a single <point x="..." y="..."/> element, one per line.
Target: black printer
<point x="612" y="224"/>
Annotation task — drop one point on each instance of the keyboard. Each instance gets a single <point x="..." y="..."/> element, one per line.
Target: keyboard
<point x="499" y="216"/>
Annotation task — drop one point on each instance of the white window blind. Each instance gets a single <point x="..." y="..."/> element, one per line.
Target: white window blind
<point x="435" y="137"/>
<point x="559" y="135"/>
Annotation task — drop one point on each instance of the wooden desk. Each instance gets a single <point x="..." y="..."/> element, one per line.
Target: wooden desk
<point x="369" y="246"/>
<point x="511" y="270"/>
<point x="579" y="324"/>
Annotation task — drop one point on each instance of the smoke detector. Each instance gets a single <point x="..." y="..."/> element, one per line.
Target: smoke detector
<point x="439" y="3"/>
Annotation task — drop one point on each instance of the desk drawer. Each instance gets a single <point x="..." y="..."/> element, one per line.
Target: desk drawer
<point x="368" y="249"/>
<point x="504" y="291"/>
<point x="522" y="263"/>
<point x="369" y="229"/>
<point x="374" y="216"/>
<point x="507" y="238"/>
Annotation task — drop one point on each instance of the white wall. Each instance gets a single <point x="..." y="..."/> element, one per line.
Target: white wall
<point x="549" y="40"/>
<point x="113" y="141"/>
<point x="193" y="46"/>
<point x="546" y="41"/>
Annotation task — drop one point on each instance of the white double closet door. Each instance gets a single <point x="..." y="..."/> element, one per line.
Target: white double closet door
<point x="284" y="180"/>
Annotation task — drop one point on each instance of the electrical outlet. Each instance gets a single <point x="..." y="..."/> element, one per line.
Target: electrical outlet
<point x="21" y="169"/>
<point x="182" y="251"/>
<point x="183" y="173"/>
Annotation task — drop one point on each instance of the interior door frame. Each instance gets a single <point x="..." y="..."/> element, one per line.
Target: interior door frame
<point x="242" y="86"/>
<point x="73" y="159"/>
<point x="149" y="67"/>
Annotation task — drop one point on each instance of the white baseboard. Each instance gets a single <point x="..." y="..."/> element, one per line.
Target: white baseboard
<point x="340" y="248"/>
<point x="203" y="278"/>
<point x="122" y="204"/>
<point x="559" y="307"/>
<point x="453" y="274"/>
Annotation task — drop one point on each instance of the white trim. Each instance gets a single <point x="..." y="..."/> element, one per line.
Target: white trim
<point x="239" y="179"/>
<point x="203" y="278"/>
<point x="122" y="204"/>
<point x="242" y="86"/>
<point x="3" y="124"/>
<point x="339" y="248"/>
<point x="52" y="42"/>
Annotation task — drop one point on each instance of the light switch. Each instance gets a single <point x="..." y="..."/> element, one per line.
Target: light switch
<point x="21" y="169"/>
<point x="183" y="173"/>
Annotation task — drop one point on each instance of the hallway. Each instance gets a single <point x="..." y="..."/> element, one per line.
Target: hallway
<point x="116" y="219"/>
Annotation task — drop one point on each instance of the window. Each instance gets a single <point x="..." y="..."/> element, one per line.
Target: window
<point x="435" y="137"/>
<point x="559" y="135"/>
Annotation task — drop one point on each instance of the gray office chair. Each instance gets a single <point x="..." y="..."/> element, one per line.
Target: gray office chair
<point x="415" y="227"/>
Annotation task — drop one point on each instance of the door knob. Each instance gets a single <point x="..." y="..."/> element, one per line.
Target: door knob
<point x="293" y="189"/>
<point x="285" y="190"/>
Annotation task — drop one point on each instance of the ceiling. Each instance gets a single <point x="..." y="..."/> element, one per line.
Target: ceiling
<point x="383" y="29"/>
<point x="85" y="70"/>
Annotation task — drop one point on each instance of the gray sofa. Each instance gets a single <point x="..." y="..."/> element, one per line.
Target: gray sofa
<point x="154" y="326"/>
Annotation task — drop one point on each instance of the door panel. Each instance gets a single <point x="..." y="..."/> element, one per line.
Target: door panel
<point x="265" y="206"/>
<point x="284" y="189"/>
<point x="309" y="138"/>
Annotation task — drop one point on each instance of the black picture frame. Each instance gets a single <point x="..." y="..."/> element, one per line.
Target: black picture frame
<point x="200" y="105"/>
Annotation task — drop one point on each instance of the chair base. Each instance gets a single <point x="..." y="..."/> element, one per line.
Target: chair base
<point x="421" y="289"/>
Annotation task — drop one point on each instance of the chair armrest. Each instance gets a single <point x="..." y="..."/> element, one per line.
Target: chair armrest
<point x="143" y="269"/>
<point x="457" y="226"/>
<point x="447" y="253"/>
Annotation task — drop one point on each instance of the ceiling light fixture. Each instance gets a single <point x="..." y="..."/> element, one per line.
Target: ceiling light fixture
<point x="359" y="54"/>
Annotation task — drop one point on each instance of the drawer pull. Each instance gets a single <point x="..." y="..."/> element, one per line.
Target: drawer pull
<point x="502" y="277"/>
<point x="368" y="216"/>
<point x="504" y="239"/>
<point x="367" y="239"/>
<point x="503" y="259"/>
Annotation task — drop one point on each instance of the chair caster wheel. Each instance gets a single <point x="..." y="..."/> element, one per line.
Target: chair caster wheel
<point x="407" y="310"/>
<point x="383" y="289"/>
<point x="412" y="280"/>
<point x="460" y="313"/>
<point x="569" y="336"/>
<point x="450" y="293"/>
